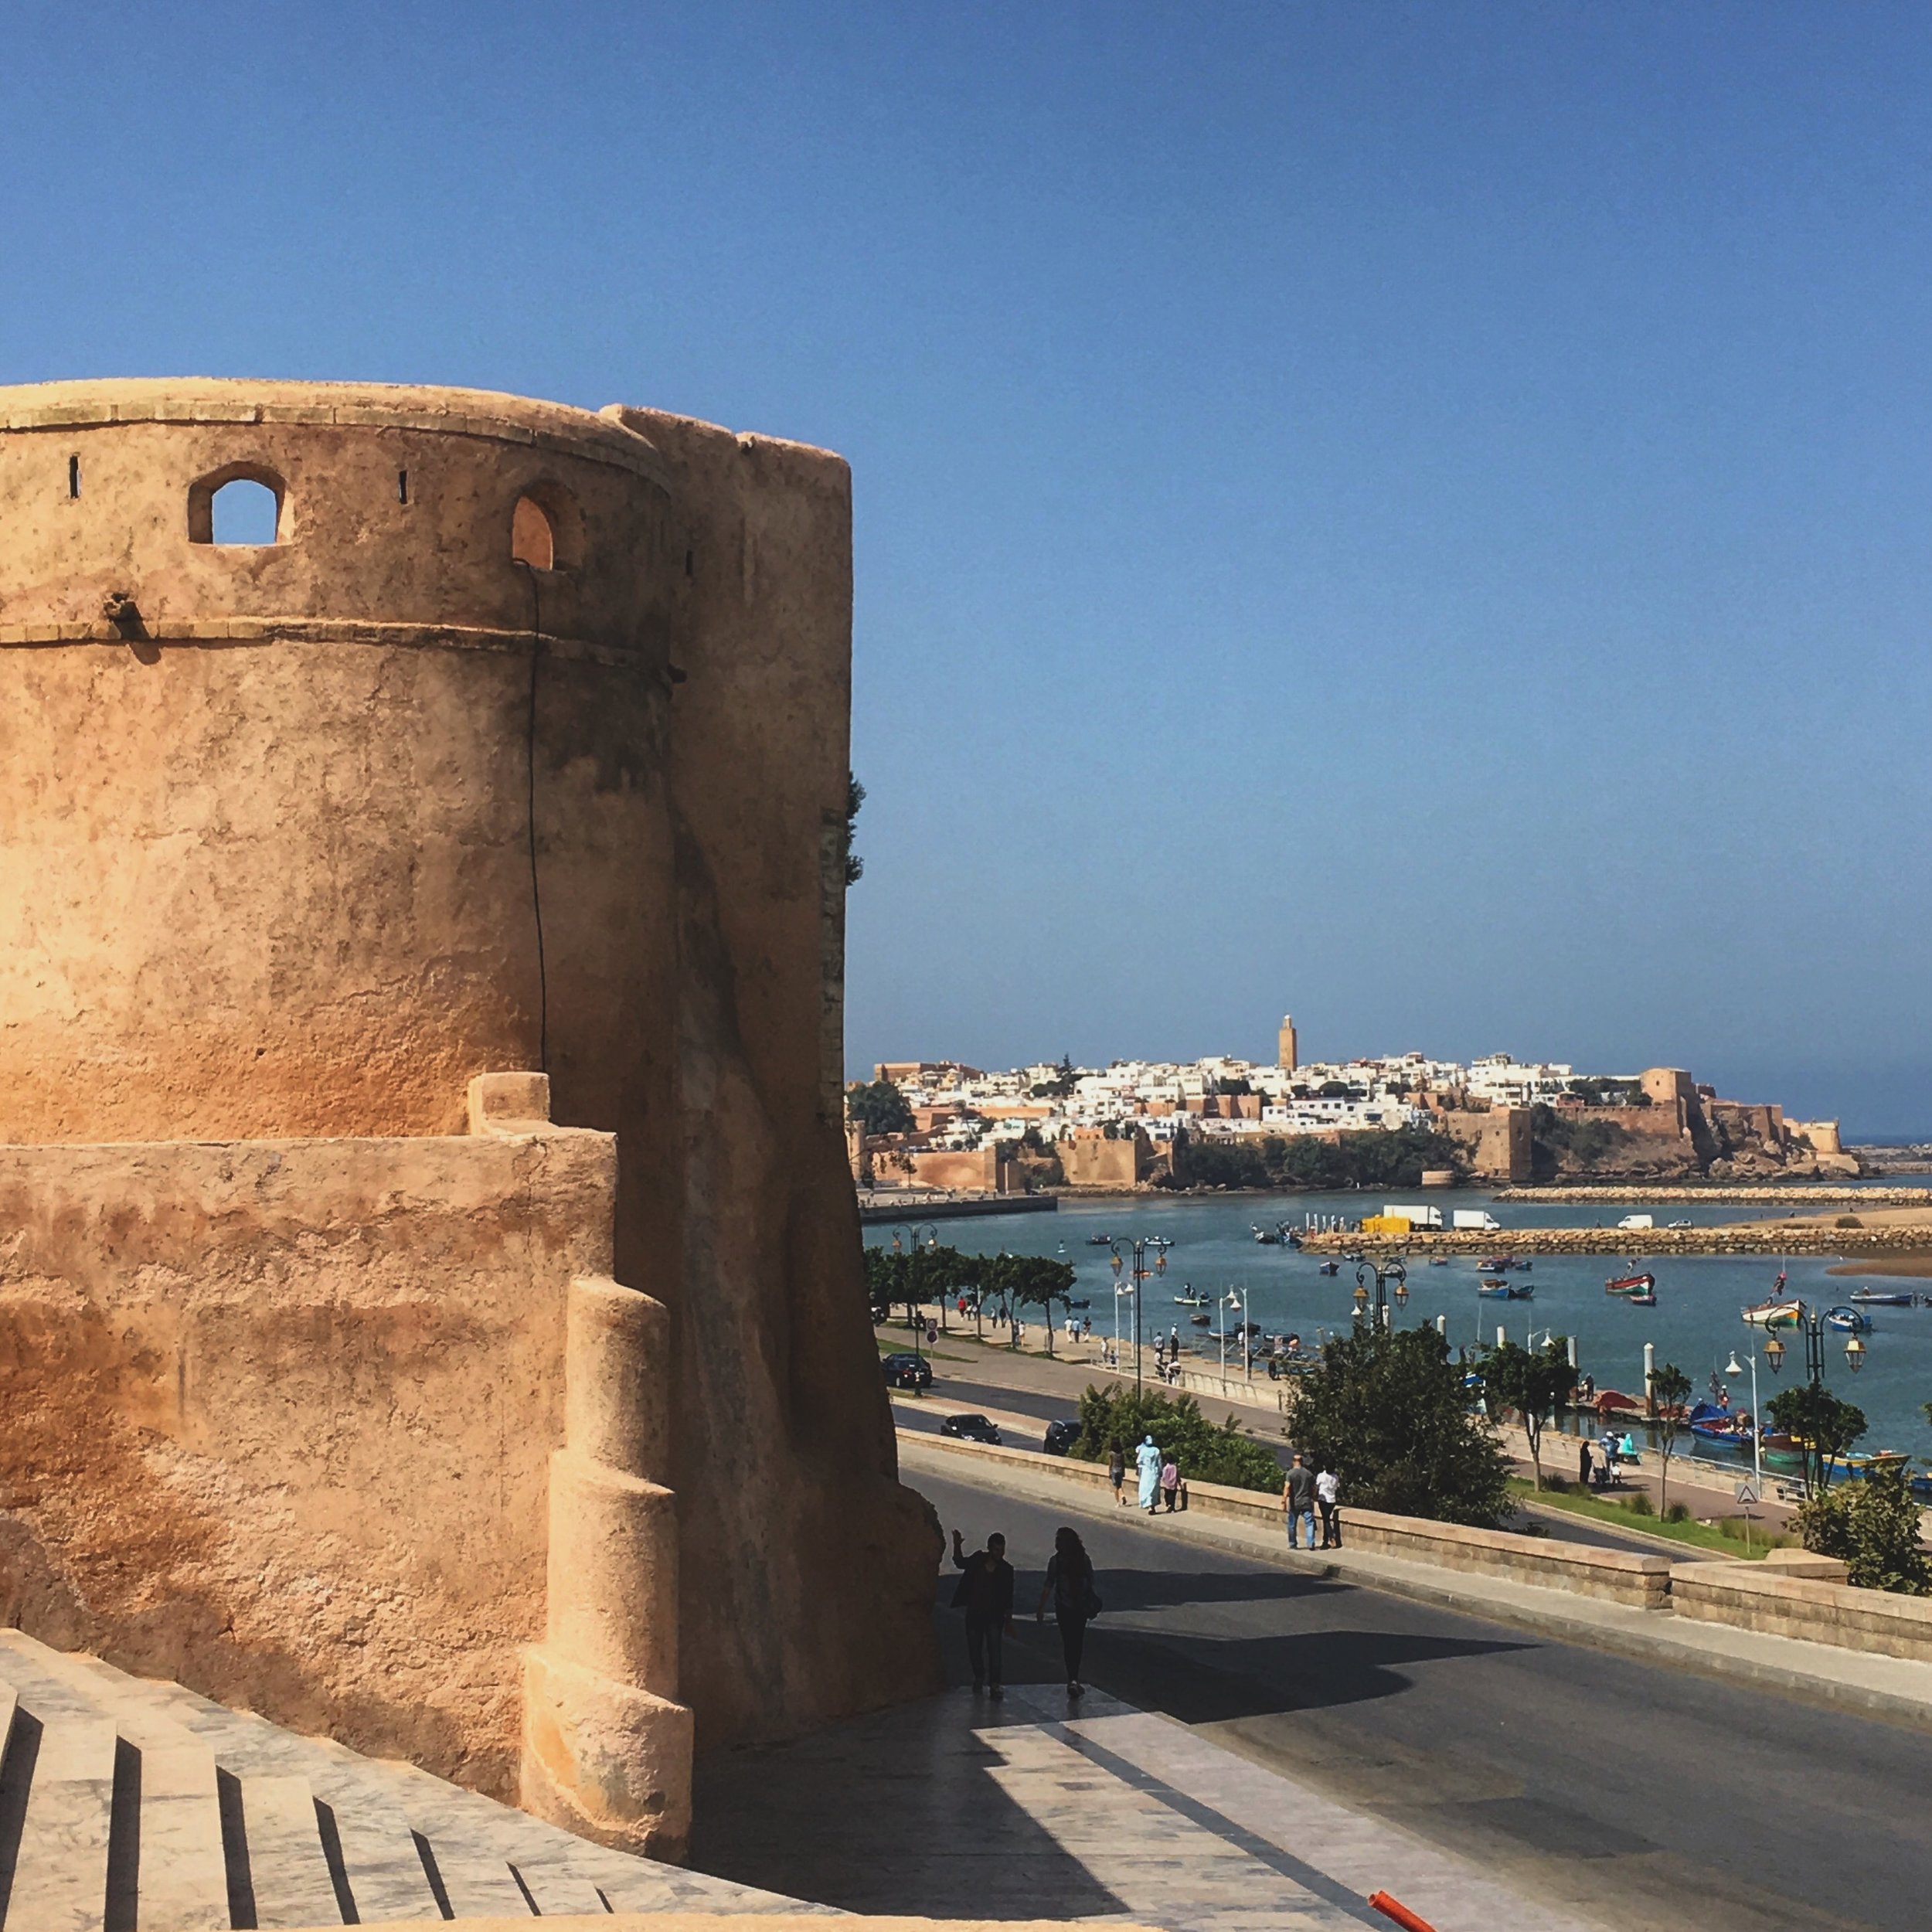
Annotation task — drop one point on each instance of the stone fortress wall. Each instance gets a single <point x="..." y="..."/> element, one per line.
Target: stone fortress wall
<point x="298" y="840"/>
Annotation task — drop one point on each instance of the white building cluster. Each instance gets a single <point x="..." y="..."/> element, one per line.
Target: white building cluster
<point x="962" y="1106"/>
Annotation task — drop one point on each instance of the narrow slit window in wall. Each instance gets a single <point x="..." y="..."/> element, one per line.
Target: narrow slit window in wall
<point x="74" y="476"/>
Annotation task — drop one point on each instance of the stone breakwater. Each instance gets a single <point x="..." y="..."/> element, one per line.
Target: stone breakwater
<point x="1754" y="1196"/>
<point x="1760" y="1238"/>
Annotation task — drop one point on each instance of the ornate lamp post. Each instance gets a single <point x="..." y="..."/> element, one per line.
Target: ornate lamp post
<point x="914" y="1320"/>
<point x="1393" y="1271"/>
<point x="1139" y="1273"/>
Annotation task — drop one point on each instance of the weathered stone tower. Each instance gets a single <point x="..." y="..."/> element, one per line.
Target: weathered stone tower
<point x="522" y="746"/>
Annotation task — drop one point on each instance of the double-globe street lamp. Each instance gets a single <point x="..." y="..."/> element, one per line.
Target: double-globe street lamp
<point x="1384" y="1274"/>
<point x="1139" y="1273"/>
<point x="914" y="1320"/>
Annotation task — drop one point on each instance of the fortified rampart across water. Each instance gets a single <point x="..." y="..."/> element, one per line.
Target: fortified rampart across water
<point x="520" y="750"/>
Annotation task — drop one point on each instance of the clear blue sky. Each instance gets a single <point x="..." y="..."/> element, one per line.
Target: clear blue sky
<point x="1416" y="515"/>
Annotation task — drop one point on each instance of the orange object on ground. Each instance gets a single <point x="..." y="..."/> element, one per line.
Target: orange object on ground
<point x="1394" y="1909"/>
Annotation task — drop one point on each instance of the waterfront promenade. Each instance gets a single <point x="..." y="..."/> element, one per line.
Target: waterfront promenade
<point x="1806" y="1236"/>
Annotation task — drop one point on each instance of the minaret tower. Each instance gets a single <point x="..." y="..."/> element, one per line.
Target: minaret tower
<point x="1288" y="1061"/>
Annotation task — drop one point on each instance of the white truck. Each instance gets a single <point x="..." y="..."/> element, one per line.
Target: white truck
<point x="1635" y="1224"/>
<point x="1417" y="1217"/>
<point x="1477" y="1218"/>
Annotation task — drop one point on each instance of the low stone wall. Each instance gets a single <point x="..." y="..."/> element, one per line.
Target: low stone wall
<point x="1748" y="1597"/>
<point x="1642" y="1582"/>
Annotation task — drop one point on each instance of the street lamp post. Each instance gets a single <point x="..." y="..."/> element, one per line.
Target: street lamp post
<point x="914" y="1320"/>
<point x="1139" y="1273"/>
<point x="1394" y="1272"/>
<point x="1734" y="1367"/>
<point x="1811" y="1325"/>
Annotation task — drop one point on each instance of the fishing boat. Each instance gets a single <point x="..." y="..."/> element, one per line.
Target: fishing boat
<point x="1858" y="1466"/>
<point x="1647" y="1300"/>
<point x="1267" y="1237"/>
<point x="1100" y="1240"/>
<point x="1201" y="1320"/>
<point x="1849" y="1321"/>
<point x="1632" y="1285"/>
<point x="1438" y="1260"/>
<point x="1498" y="1290"/>
<point x="1883" y="1298"/>
<point x="1713" y="1423"/>
<point x="1331" y="1267"/>
<point x="1781" y="1451"/>
<point x="1497" y="1264"/>
<point x="1191" y="1299"/>
<point x="1785" y="1314"/>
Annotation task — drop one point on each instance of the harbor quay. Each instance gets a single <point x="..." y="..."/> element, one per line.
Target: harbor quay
<point x="1762" y="1237"/>
<point x="1758" y="1194"/>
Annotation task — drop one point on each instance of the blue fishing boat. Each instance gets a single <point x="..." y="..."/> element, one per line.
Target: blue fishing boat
<point x="1883" y="1298"/>
<point x="1849" y="1321"/>
<point x="1498" y="1290"/>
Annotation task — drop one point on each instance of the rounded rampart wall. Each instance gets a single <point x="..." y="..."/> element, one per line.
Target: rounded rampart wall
<point x="280" y="825"/>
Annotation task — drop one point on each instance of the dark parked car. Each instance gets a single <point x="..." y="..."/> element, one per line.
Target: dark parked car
<point x="1060" y="1437"/>
<point x="974" y="1428"/>
<point x="906" y="1371"/>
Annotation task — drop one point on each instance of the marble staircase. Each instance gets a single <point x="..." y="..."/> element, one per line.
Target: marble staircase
<point x="130" y="1804"/>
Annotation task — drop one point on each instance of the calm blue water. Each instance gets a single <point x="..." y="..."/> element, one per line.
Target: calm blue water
<point x="1696" y="1323"/>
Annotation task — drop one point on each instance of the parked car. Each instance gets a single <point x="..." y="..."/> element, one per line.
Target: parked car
<point x="907" y="1370"/>
<point x="1060" y="1437"/>
<point x="974" y="1428"/>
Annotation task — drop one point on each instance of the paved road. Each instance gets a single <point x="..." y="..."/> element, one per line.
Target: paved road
<point x="1642" y="1796"/>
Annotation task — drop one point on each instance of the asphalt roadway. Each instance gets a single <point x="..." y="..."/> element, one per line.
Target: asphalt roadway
<point x="1644" y="1796"/>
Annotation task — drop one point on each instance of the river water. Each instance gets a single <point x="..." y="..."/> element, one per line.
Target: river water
<point x="1695" y="1324"/>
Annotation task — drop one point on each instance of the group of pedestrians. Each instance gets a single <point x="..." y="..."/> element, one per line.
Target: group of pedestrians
<point x="985" y="1594"/>
<point x="1159" y="1472"/>
<point x="1597" y="1464"/>
<point x="1307" y="1493"/>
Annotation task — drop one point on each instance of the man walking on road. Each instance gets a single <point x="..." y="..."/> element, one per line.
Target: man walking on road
<point x="1297" y="1499"/>
<point x="985" y="1594"/>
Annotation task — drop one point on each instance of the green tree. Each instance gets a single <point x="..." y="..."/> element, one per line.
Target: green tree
<point x="1670" y="1393"/>
<point x="1873" y="1527"/>
<point x="1534" y="1383"/>
<point x="1038" y="1281"/>
<point x="855" y="797"/>
<point x="885" y="1281"/>
<point x="1202" y="1451"/>
<point x="1387" y="1411"/>
<point x="878" y="1106"/>
<point x="1825" y="1425"/>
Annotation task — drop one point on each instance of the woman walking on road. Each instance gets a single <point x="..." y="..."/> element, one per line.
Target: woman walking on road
<point x="1069" y="1585"/>
<point x="1117" y="1470"/>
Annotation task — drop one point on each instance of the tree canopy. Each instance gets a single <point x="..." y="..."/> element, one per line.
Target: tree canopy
<point x="1387" y="1410"/>
<point x="1372" y="1158"/>
<point x="1202" y="1450"/>
<point x="1873" y="1526"/>
<point x="878" y="1106"/>
<point x="1533" y="1382"/>
<point x="1825" y="1426"/>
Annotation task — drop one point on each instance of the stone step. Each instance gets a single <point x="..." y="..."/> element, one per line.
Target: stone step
<point x="288" y="1867"/>
<point x="60" y="1866"/>
<point x="381" y="1860"/>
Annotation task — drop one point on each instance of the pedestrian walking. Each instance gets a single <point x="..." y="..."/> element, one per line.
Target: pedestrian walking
<point x="985" y="1594"/>
<point x="1170" y="1482"/>
<point x="1297" y="1499"/>
<point x="1583" y="1463"/>
<point x="1147" y="1460"/>
<point x="1327" y="1499"/>
<point x="1070" y="1587"/>
<point x="1117" y="1472"/>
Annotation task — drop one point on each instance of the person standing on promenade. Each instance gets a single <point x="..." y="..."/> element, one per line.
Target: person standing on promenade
<point x="1070" y="1584"/>
<point x="1147" y="1459"/>
<point x="1583" y="1463"/>
<point x="1117" y="1470"/>
<point x="985" y="1594"/>
<point x="1328" y="1498"/>
<point x="1170" y="1482"/>
<point x="1297" y="1499"/>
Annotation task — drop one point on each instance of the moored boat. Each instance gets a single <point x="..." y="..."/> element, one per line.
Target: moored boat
<point x="1849" y="1321"/>
<point x="1630" y="1284"/>
<point x="1331" y="1267"/>
<point x="1883" y="1298"/>
<point x="1785" y="1314"/>
<point x="1497" y="1289"/>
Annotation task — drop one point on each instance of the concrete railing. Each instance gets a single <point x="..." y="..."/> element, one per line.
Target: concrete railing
<point x="1643" y="1583"/>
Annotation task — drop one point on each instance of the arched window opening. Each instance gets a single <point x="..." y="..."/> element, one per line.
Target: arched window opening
<point x="241" y="506"/>
<point x="533" y="537"/>
<point x="244" y="512"/>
